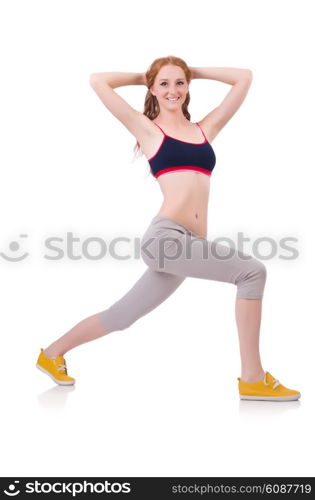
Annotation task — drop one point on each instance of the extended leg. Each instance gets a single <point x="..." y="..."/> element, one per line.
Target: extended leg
<point x="149" y="291"/>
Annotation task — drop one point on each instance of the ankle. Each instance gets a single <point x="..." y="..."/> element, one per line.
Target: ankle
<point x="50" y="353"/>
<point x="251" y="378"/>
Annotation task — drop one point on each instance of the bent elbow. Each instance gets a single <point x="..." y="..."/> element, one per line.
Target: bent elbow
<point x="92" y="78"/>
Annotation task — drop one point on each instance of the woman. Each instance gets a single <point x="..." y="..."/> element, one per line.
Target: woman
<point x="181" y="159"/>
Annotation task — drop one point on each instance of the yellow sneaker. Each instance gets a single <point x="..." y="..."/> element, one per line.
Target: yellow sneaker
<point x="54" y="368"/>
<point x="267" y="389"/>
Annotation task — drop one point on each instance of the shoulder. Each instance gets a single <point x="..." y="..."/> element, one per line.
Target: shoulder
<point x="209" y="129"/>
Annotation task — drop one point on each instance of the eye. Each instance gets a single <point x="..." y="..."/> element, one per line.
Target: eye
<point x="177" y="82"/>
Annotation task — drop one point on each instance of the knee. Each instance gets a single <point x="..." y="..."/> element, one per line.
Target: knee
<point x="261" y="277"/>
<point x="258" y="278"/>
<point x="114" y="322"/>
<point x="260" y="271"/>
<point x="253" y="283"/>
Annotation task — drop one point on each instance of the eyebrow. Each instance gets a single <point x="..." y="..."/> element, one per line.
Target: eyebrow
<point x="167" y="79"/>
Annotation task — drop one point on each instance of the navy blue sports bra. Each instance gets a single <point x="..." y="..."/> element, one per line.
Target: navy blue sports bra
<point x="174" y="154"/>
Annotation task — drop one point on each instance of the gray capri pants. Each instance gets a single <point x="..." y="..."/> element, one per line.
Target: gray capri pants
<point x="173" y="252"/>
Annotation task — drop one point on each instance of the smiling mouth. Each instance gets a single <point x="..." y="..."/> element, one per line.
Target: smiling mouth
<point x="172" y="100"/>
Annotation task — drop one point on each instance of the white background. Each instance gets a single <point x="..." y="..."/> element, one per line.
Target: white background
<point x="160" y="398"/>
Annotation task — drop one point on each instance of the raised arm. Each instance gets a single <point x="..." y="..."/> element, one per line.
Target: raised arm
<point x="104" y="83"/>
<point x="240" y="79"/>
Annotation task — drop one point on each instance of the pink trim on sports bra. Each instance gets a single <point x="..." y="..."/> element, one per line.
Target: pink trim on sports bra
<point x="182" y="168"/>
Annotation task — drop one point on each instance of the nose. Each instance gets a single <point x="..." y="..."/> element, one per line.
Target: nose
<point x="172" y="91"/>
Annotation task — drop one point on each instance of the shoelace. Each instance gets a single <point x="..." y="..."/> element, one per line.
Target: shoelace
<point x="61" y="367"/>
<point x="276" y="382"/>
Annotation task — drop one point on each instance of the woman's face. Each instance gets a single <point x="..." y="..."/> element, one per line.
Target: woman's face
<point x="170" y="87"/>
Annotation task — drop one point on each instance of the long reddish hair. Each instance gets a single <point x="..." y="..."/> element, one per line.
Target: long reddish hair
<point x="151" y="105"/>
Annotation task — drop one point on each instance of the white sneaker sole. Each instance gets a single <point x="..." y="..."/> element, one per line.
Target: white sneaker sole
<point x="270" y="398"/>
<point x="59" y="382"/>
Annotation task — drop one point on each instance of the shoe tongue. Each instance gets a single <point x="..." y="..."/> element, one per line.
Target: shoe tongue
<point x="269" y="378"/>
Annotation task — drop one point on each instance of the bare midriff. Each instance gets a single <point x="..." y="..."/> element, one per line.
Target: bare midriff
<point x="186" y="196"/>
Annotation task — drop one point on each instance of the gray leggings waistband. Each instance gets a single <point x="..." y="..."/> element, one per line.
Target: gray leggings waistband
<point x="161" y="218"/>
